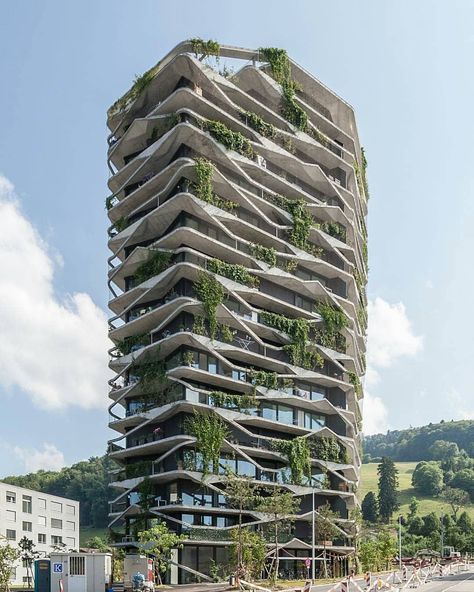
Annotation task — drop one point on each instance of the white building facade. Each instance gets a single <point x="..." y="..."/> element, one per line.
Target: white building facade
<point x="49" y="521"/>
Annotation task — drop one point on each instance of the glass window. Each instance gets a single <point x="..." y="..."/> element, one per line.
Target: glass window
<point x="11" y="497"/>
<point x="41" y="503"/>
<point x="244" y="467"/>
<point x="285" y="414"/>
<point x="10" y="534"/>
<point x="239" y="375"/>
<point x="27" y="526"/>
<point x="27" y="504"/>
<point x="56" y="507"/>
<point x="207" y="520"/>
<point x="70" y="525"/>
<point x="41" y="538"/>
<point x="70" y="510"/>
<point x="212" y="365"/>
<point x="314" y="422"/>
<point x="269" y="411"/>
<point x="42" y="520"/>
<point x="10" y="515"/>
<point x="56" y="523"/>
<point x="71" y="542"/>
<point x="56" y="540"/>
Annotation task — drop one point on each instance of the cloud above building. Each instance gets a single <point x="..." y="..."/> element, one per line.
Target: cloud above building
<point x="52" y="349"/>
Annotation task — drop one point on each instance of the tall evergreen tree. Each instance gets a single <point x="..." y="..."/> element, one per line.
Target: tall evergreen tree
<point x="370" y="507"/>
<point x="388" y="488"/>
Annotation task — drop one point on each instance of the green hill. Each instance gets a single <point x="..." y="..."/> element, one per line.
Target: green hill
<point x="405" y="470"/>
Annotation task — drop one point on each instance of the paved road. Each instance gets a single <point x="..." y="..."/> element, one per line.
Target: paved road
<point x="462" y="582"/>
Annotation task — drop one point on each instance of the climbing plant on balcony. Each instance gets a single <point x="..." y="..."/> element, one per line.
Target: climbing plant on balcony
<point x="333" y="229"/>
<point x="202" y="48"/>
<point x="199" y="326"/>
<point x="266" y="254"/>
<point x="263" y="378"/>
<point x="231" y="140"/>
<point x="328" y="449"/>
<point x="306" y="359"/>
<point x="334" y="321"/>
<point x="121" y="224"/>
<point x="138" y="86"/>
<point x="243" y="402"/>
<point x="355" y="381"/>
<point x="126" y="345"/>
<point x="211" y="293"/>
<point x="150" y="369"/>
<point x="210" y="432"/>
<point x="258" y="124"/>
<point x="298" y="455"/>
<point x="237" y="273"/>
<point x="156" y="263"/>
<point x="302" y="224"/>
<point x="226" y="334"/>
<point x="203" y="188"/>
<point x="281" y="72"/>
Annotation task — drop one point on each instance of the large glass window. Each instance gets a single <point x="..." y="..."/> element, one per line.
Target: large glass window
<point x="27" y="504"/>
<point x="313" y="421"/>
<point x="11" y="497"/>
<point x="246" y="468"/>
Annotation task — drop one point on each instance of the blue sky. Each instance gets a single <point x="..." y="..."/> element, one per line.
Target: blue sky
<point x="405" y="67"/>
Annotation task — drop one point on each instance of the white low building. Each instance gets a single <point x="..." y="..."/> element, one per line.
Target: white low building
<point x="49" y="521"/>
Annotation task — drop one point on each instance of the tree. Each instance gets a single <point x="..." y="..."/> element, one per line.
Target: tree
<point x="427" y="478"/>
<point x="248" y="550"/>
<point x="387" y="546"/>
<point x="28" y="554"/>
<point x="8" y="556"/>
<point x="370" y="507"/>
<point x="97" y="543"/>
<point x="240" y="493"/>
<point x="431" y="524"/>
<point x="281" y="506"/>
<point x="465" y="523"/>
<point x="369" y="555"/>
<point x="464" y="479"/>
<point x="456" y="498"/>
<point x="413" y="508"/>
<point x="158" y="542"/>
<point x="443" y="450"/>
<point x="326" y="530"/>
<point x="388" y="488"/>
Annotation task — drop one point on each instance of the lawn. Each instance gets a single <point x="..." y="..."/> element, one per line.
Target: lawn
<point x="405" y="470"/>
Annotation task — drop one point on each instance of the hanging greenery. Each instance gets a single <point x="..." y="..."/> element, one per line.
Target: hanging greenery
<point x="298" y="455"/>
<point x="267" y="254"/>
<point x="126" y="345"/>
<point x="329" y="450"/>
<point x="121" y="224"/>
<point x="150" y="369"/>
<point x="237" y="273"/>
<point x="263" y="378"/>
<point x="204" y="48"/>
<point x="362" y="317"/>
<point x="199" y="326"/>
<point x="333" y="229"/>
<point x="302" y="224"/>
<point x="210" y="432"/>
<point x="242" y="403"/>
<point x="139" y="85"/>
<point x="355" y="381"/>
<point x="231" y="140"/>
<point x="211" y="293"/>
<point x="334" y="321"/>
<point x="258" y="124"/>
<point x="309" y="360"/>
<point x="365" y="253"/>
<point x="187" y="358"/>
<point x="226" y="333"/>
<point x="203" y="187"/>
<point x="279" y="63"/>
<point x="156" y="263"/>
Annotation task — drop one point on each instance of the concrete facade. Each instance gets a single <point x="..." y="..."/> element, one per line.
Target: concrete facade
<point x="254" y="180"/>
<point x="47" y="520"/>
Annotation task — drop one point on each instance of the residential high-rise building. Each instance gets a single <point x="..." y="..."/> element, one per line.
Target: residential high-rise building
<point x="49" y="521"/>
<point x="238" y="272"/>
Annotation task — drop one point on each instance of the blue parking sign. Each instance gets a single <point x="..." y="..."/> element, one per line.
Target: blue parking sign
<point x="57" y="567"/>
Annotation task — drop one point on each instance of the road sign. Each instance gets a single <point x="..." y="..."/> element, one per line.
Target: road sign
<point x="57" y="567"/>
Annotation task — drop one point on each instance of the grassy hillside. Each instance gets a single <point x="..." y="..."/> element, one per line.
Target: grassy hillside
<point x="405" y="470"/>
<point x="87" y="533"/>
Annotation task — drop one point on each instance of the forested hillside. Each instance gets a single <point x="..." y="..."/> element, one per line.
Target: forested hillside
<point x="86" y="481"/>
<point x="414" y="444"/>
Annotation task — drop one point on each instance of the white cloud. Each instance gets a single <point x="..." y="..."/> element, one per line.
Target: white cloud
<point x="390" y="337"/>
<point x="48" y="459"/>
<point x="54" y="350"/>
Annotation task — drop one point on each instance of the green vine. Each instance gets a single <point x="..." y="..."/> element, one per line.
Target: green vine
<point x="211" y="293"/>
<point x="139" y="85"/>
<point x="263" y="378"/>
<point x="329" y="450"/>
<point x="266" y="254"/>
<point x="199" y="326"/>
<point x="204" y="48"/>
<point x="231" y="140"/>
<point x="125" y="346"/>
<point x="157" y="262"/>
<point x="121" y="224"/>
<point x="258" y="124"/>
<point x="226" y="333"/>
<point x="150" y="370"/>
<point x="210" y="432"/>
<point x="303" y="221"/>
<point x="309" y="360"/>
<point x="333" y="229"/>
<point x="227" y="401"/>
<point x="203" y="187"/>
<point x="237" y="273"/>
<point x="355" y="381"/>
<point x="334" y="321"/>
<point x="298" y="455"/>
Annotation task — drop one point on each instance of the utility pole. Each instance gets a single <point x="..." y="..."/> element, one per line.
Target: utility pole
<point x="313" y="540"/>
<point x="442" y="534"/>
<point x="400" y="543"/>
